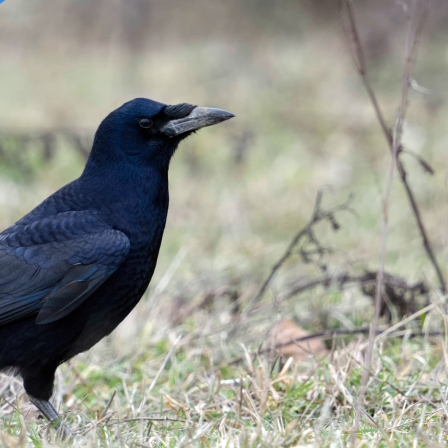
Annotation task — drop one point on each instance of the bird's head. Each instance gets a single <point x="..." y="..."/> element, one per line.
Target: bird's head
<point x="146" y="132"/>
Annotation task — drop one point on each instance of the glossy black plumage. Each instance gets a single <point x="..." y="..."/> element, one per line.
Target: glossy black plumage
<point x="75" y="266"/>
<point x="53" y="264"/>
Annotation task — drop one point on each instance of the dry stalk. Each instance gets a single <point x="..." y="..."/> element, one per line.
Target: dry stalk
<point x="416" y="20"/>
<point x="386" y="204"/>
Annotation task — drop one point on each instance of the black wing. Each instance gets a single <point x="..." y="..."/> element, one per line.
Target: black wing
<point x="49" y="267"/>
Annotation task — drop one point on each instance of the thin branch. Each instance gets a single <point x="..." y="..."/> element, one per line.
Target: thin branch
<point x="356" y="51"/>
<point x="343" y="279"/>
<point x="423" y="163"/>
<point x="307" y="232"/>
<point x="145" y="419"/>
<point x="330" y="334"/>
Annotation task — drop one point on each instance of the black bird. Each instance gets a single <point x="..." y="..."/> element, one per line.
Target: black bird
<point x="74" y="267"/>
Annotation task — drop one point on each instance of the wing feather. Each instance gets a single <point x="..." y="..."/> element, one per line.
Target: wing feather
<point x="76" y="253"/>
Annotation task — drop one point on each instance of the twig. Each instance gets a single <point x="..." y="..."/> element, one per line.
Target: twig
<point x="145" y="419"/>
<point x="15" y="408"/>
<point x="330" y="334"/>
<point x="148" y="433"/>
<point x="108" y="405"/>
<point x="307" y="232"/>
<point x="423" y="163"/>
<point x="343" y="279"/>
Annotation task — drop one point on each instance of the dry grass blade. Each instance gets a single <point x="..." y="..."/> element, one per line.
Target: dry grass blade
<point x="106" y="408"/>
<point x="167" y="357"/>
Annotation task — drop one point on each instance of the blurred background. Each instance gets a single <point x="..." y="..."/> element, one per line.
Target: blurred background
<point x="241" y="190"/>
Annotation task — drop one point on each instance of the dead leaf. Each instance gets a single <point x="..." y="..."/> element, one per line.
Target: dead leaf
<point x="287" y="331"/>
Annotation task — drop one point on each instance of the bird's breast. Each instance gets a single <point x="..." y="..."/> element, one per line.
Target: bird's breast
<point x="127" y="285"/>
<point x="117" y="297"/>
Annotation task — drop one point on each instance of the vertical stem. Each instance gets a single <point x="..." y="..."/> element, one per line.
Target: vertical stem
<point x="416" y="21"/>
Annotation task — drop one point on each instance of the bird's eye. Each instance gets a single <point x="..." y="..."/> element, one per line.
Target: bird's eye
<point x="145" y="123"/>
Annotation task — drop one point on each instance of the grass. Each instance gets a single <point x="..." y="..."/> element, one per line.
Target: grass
<point x="239" y="192"/>
<point x="217" y="404"/>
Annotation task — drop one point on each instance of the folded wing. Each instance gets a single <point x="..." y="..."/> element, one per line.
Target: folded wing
<point x="49" y="267"/>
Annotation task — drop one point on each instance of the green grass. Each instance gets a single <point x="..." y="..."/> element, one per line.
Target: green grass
<point x="307" y="405"/>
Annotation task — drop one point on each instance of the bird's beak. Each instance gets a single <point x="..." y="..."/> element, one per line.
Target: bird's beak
<point x="199" y="117"/>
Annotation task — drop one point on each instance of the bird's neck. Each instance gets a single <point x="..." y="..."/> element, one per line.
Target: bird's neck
<point x="137" y="195"/>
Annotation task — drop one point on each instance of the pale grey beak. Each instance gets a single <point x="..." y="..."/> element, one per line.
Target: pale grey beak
<point x="199" y="117"/>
